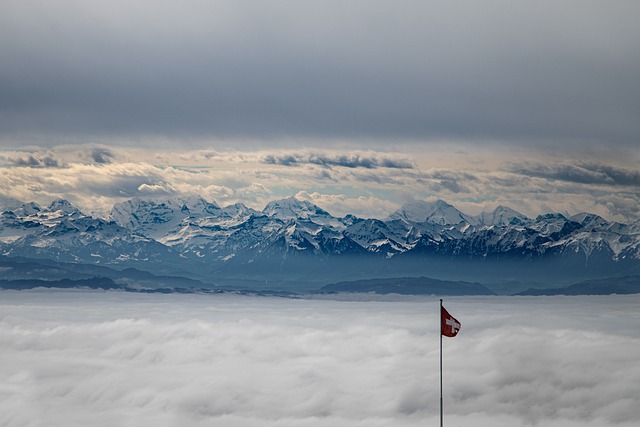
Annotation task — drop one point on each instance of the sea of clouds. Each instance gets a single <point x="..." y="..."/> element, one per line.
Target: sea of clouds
<point x="90" y="358"/>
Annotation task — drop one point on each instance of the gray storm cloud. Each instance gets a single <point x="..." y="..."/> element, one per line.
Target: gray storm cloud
<point x="93" y="358"/>
<point x="582" y="172"/>
<point x="101" y="155"/>
<point x="376" y="70"/>
<point x="347" y="161"/>
<point x="34" y="161"/>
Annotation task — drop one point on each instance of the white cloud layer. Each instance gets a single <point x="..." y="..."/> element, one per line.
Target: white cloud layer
<point x="75" y="358"/>
<point x="367" y="183"/>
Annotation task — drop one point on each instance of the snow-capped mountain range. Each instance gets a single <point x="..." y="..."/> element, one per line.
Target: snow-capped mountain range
<point x="295" y="240"/>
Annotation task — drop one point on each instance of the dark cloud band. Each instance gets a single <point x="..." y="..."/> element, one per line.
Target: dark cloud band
<point x="35" y="161"/>
<point x="581" y="173"/>
<point x="373" y="69"/>
<point x="347" y="161"/>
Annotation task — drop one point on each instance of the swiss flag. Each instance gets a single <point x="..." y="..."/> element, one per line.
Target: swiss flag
<point x="449" y="325"/>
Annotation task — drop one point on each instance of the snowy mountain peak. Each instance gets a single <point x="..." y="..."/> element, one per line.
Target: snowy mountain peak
<point x="156" y="218"/>
<point x="550" y="217"/>
<point x="589" y="220"/>
<point x="135" y="211"/>
<point x="438" y="212"/>
<point x="18" y="208"/>
<point x="502" y="216"/>
<point x="239" y="209"/>
<point x="195" y="205"/>
<point x="63" y="206"/>
<point x="291" y="207"/>
<point x="28" y="209"/>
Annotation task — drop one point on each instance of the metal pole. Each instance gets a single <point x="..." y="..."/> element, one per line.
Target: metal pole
<point x="441" y="423"/>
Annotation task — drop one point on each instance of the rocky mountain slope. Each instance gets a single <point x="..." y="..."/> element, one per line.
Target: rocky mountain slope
<point x="295" y="241"/>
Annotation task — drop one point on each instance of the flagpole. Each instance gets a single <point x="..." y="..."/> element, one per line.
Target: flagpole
<point x="440" y="321"/>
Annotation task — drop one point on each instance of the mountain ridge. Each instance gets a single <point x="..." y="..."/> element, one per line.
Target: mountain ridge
<point x="297" y="243"/>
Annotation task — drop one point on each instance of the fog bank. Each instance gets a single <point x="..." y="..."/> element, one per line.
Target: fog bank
<point x="75" y="358"/>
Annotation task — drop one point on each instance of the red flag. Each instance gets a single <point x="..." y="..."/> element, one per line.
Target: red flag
<point x="450" y="325"/>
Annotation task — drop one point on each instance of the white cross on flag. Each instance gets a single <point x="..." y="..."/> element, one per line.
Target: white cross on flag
<point x="450" y="325"/>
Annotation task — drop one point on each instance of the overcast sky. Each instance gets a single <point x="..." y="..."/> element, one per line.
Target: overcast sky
<point x="545" y="92"/>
